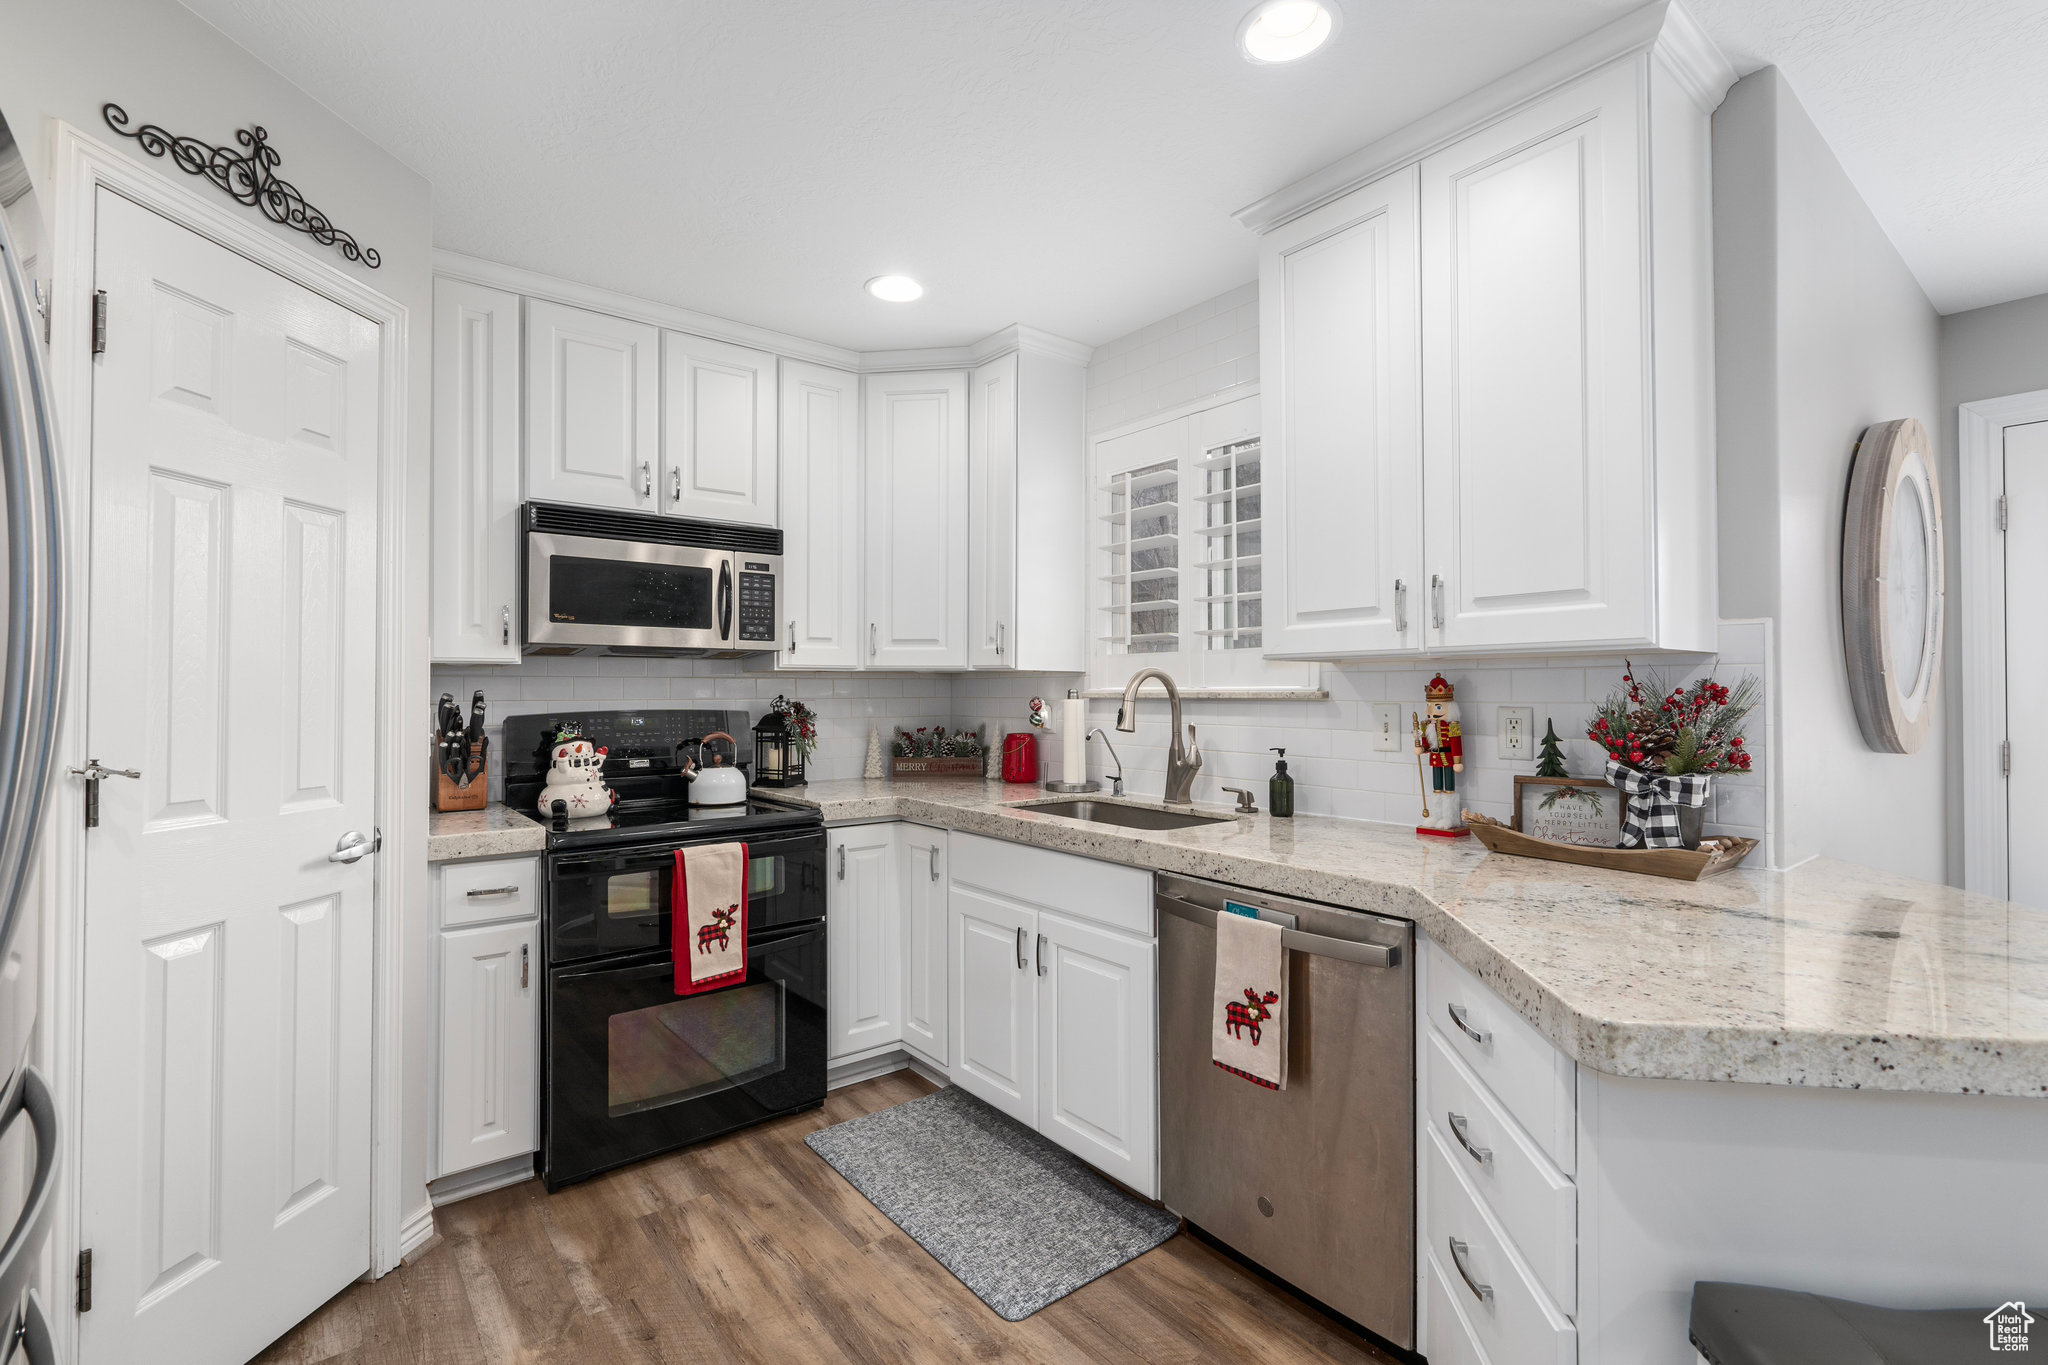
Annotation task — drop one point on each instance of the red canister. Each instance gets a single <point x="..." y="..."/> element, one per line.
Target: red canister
<point x="1020" y="758"/>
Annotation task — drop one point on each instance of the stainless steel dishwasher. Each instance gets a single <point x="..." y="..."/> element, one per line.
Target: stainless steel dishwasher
<point x="1315" y="1183"/>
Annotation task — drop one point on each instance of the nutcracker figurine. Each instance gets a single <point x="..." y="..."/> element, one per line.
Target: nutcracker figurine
<point x="1441" y="739"/>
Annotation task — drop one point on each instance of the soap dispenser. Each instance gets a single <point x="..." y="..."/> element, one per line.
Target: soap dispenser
<point x="1280" y="791"/>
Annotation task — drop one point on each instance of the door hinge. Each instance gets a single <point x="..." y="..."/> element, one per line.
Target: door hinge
<point x="2001" y="511"/>
<point x="99" y="322"/>
<point x="2005" y="758"/>
<point x="85" y="1280"/>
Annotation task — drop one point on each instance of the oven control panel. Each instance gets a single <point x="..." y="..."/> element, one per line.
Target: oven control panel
<point x="757" y="605"/>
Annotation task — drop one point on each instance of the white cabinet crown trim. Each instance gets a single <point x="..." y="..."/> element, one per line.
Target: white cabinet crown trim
<point x="1667" y="27"/>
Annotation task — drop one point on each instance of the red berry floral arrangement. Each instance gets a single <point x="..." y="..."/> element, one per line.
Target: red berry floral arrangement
<point x="1659" y="729"/>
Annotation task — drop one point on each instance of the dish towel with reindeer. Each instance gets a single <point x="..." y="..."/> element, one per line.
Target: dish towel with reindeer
<point x="709" y="938"/>
<point x="1249" y="1029"/>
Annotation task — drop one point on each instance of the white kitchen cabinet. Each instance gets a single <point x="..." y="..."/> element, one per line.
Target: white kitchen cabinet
<point x="915" y="525"/>
<point x="718" y="449"/>
<point x="593" y="406"/>
<point x="1027" y="512"/>
<point x="1340" y="308"/>
<point x="926" y="958"/>
<point x="1054" y="989"/>
<point x="821" y="518"/>
<point x="863" y="941"/>
<point x="489" y="987"/>
<point x="475" y="598"/>
<point x="1562" y="351"/>
<point x="1097" y="1061"/>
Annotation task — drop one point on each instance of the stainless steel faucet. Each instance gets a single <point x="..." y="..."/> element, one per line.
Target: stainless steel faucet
<point x="1183" y="756"/>
<point x="1116" y="784"/>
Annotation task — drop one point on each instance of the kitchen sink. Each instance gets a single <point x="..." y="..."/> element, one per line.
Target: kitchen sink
<point x="1130" y="817"/>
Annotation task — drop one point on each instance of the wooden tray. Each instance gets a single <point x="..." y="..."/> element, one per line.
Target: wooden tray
<point x="935" y="767"/>
<point x="1682" y="864"/>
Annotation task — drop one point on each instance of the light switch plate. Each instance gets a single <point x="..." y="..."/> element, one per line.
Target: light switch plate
<point x="1517" y="738"/>
<point x="1386" y="727"/>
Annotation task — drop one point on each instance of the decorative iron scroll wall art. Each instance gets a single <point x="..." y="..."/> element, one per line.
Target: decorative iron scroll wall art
<point x="251" y="177"/>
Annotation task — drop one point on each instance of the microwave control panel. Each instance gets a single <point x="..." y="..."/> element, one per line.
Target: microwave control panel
<point x="757" y="607"/>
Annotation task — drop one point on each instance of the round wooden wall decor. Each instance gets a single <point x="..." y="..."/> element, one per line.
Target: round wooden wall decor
<point x="1892" y="585"/>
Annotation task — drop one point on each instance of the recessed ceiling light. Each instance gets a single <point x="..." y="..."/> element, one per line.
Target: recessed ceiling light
<point x="895" y="288"/>
<point x="1287" y="30"/>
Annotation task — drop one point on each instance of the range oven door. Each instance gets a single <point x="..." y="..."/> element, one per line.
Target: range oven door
<point x="634" y="1069"/>
<point x="586" y="590"/>
<point x="612" y="901"/>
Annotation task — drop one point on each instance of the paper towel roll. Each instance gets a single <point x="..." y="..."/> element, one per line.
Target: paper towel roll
<point x="1073" y="739"/>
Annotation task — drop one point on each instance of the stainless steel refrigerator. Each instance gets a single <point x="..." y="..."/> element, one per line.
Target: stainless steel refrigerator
<point x="31" y="595"/>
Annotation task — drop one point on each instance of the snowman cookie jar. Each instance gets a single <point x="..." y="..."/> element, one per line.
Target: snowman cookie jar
<point x="576" y="779"/>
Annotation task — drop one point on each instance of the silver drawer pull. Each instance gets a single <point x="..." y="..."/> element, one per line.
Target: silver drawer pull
<point x="523" y="964"/>
<point x="1484" y="1292"/>
<point x="935" y="862"/>
<point x="1482" y="1155"/>
<point x="1481" y="1036"/>
<point x="493" y="891"/>
<point x="1022" y="960"/>
<point x="1041" y="954"/>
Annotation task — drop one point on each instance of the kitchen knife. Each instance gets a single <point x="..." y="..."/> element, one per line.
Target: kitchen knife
<point x="473" y="740"/>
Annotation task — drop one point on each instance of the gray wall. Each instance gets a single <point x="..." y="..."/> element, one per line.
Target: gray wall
<point x="1992" y="353"/>
<point x="62" y="59"/>
<point x="1821" y="331"/>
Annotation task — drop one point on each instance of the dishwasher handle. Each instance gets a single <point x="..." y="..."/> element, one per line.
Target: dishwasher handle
<point x="1321" y="945"/>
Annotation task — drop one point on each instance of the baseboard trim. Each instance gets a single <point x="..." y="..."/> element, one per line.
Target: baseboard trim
<point x="482" y="1180"/>
<point x="869" y="1066"/>
<point x="936" y="1075"/>
<point x="416" y="1231"/>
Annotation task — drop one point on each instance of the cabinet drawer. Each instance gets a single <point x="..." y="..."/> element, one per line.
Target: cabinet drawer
<point x="494" y="889"/>
<point x="1535" y="1203"/>
<point x="1446" y="1332"/>
<point x="1531" y="1079"/>
<point x="1512" y="1319"/>
<point x="1107" y="893"/>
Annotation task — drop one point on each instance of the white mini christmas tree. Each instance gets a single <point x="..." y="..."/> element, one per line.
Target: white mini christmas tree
<point x="875" y="766"/>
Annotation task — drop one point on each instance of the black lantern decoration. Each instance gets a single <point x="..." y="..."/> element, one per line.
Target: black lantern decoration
<point x="778" y="757"/>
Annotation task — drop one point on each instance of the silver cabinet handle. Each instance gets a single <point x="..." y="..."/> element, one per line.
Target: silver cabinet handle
<point x="999" y="639"/>
<point x="522" y="966"/>
<point x="871" y="639"/>
<point x="1400" y="607"/>
<point x="792" y="637"/>
<point x="1436" y="600"/>
<point x="1483" y="1292"/>
<point x="1483" y="1037"/>
<point x="646" y="479"/>
<point x="935" y="862"/>
<point x="676" y="489"/>
<point x="494" y="891"/>
<point x="1482" y="1155"/>
<point x="507" y="639"/>
<point x="354" y="844"/>
<point x="842" y="862"/>
<point x="1022" y="961"/>
<point x="1041" y="954"/>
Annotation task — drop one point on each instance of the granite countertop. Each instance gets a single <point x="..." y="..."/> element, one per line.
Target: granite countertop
<point x="1831" y="975"/>
<point x="496" y="831"/>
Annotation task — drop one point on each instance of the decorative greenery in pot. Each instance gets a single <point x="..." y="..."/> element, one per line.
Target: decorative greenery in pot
<point x="1665" y="745"/>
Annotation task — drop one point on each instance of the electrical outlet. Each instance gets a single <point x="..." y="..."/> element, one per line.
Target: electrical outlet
<point x="1517" y="739"/>
<point x="1386" y="727"/>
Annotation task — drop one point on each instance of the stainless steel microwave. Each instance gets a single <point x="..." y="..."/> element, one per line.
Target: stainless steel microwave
<point x="628" y="583"/>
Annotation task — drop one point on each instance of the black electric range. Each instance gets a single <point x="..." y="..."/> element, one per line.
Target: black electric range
<point x="629" y="1068"/>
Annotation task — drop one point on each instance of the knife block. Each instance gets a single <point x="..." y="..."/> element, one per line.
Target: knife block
<point x="448" y="796"/>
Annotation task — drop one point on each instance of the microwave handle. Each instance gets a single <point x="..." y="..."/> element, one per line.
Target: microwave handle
<point x="725" y="599"/>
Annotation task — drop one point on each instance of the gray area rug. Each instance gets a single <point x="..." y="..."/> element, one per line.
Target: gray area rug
<point x="1020" y="1221"/>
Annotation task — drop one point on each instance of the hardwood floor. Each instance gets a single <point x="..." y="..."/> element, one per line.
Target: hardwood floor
<point x="752" y="1249"/>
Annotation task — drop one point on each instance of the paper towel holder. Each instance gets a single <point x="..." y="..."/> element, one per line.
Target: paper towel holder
<point x="1084" y="786"/>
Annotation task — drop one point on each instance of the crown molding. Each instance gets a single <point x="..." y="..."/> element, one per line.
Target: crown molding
<point x="533" y="284"/>
<point x="1665" y="27"/>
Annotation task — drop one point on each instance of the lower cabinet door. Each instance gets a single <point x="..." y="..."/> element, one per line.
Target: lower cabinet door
<point x="490" y="1045"/>
<point x="926" y="959"/>
<point x="863" y="942"/>
<point x="994" y="1009"/>
<point x="1098" y="1055"/>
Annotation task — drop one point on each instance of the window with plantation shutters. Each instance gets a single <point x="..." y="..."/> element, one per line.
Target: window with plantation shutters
<point x="1177" y="546"/>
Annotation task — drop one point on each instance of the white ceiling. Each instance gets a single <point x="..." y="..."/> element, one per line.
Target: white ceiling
<point x="1070" y="164"/>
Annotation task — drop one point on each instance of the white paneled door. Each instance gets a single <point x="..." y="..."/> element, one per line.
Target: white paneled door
<point x="232" y="655"/>
<point x="2026" y="660"/>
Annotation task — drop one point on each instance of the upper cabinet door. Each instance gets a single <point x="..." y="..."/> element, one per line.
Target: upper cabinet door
<point x="820" y="440"/>
<point x="1340" y="341"/>
<point x="476" y="615"/>
<point x="916" y="524"/>
<point x="992" y="513"/>
<point x="718" y="431"/>
<point x="592" y="408"/>
<point x="1536" y="422"/>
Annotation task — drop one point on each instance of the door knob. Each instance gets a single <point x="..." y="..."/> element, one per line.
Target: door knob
<point x="354" y="844"/>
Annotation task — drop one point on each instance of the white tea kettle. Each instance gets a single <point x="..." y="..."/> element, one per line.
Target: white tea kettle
<point x="716" y="780"/>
